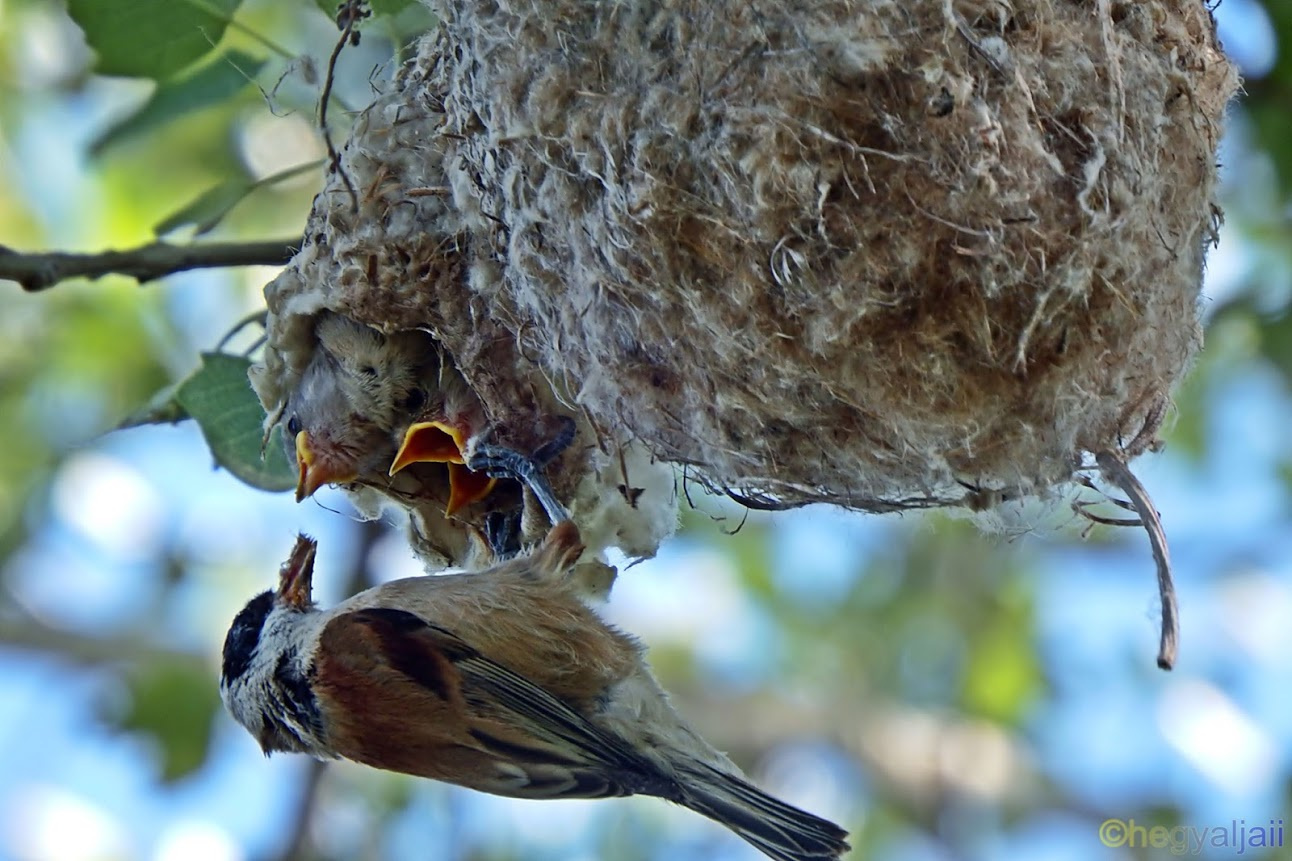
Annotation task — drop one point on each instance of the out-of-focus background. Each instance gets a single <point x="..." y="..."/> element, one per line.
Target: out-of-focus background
<point x="944" y="694"/>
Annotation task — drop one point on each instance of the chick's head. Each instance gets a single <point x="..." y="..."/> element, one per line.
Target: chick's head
<point x="345" y="417"/>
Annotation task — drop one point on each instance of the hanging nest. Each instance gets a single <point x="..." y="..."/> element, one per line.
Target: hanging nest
<point x="850" y="252"/>
<point x="874" y="253"/>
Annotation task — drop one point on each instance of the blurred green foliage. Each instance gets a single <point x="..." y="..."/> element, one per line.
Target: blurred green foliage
<point x="172" y="704"/>
<point x="220" y="398"/>
<point x="1267" y="98"/>
<point x="150" y="38"/>
<point x="944" y="620"/>
<point x="214" y="84"/>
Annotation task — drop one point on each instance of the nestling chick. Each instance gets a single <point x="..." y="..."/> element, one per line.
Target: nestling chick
<point x="500" y="680"/>
<point x="348" y="422"/>
<point x="342" y="418"/>
<point x="393" y="420"/>
<point x="444" y="431"/>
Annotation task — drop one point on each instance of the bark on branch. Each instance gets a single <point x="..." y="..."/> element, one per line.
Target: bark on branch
<point x="40" y="271"/>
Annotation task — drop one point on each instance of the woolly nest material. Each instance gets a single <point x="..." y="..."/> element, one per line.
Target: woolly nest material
<point x="853" y="252"/>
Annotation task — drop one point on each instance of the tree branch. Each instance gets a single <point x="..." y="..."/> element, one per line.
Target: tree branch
<point x="22" y="631"/>
<point x="40" y="271"/>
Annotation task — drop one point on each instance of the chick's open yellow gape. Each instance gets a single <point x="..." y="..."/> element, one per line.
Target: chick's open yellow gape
<point x="440" y="442"/>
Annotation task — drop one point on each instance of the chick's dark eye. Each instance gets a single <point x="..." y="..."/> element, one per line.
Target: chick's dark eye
<point x="414" y="400"/>
<point x="368" y="371"/>
<point x="293" y="426"/>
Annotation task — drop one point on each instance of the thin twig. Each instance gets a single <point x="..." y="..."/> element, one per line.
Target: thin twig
<point x="766" y="501"/>
<point x="1084" y="481"/>
<point x="260" y="317"/>
<point x="1080" y="508"/>
<point x="22" y="631"/>
<point x="42" y="270"/>
<point x="1115" y="470"/>
<point x="992" y="60"/>
<point x="349" y="14"/>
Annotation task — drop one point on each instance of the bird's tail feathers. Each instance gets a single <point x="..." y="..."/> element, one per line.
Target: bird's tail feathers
<point x="777" y="829"/>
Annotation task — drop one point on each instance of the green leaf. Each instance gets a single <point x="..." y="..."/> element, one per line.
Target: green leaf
<point x="412" y="20"/>
<point x="212" y="84"/>
<point x="162" y="408"/>
<point x="219" y="396"/>
<point x="390" y="7"/>
<point x="209" y="208"/>
<point x="151" y="38"/>
<point x="1276" y="341"/>
<point x="175" y="703"/>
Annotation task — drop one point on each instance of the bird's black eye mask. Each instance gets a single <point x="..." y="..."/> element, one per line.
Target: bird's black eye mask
<point x="244" y="636"/>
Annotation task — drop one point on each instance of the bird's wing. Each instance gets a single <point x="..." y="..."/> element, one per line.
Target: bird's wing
<point x="512" y="736"/>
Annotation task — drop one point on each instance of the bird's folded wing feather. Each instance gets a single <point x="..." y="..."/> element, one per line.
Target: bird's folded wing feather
<point x="505" y="713"/>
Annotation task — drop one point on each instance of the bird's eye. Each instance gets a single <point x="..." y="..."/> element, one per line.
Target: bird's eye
<point x="293" y="426"/>
<point x="368" y="371"/>
<point x="414" y="401"/>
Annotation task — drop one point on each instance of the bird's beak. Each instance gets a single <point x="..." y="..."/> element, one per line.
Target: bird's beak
<point x="296" y="577"/>
<point x="430" y="442"/>
<point x="441" y="442"/>
<point x="316" y="469"/>
<point x="466" y="487"/>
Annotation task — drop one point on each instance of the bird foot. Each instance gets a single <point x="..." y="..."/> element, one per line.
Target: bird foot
<point x="502" y="533"/>
<point x="501" y="462"/>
